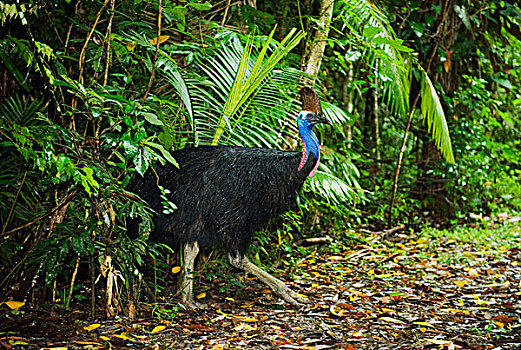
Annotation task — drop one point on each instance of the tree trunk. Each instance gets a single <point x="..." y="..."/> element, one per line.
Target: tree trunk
<point x="318" y="45"/>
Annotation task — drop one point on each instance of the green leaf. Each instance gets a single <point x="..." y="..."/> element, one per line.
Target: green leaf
<point x="205" y="6"/>
<point x="152" y="118"/>
<point x="370" y="31"/>
<point x="88" y="180"/>
<point x="177" y="13"/>
<point x="142" y="160"/>
<point x="163" y="151"/>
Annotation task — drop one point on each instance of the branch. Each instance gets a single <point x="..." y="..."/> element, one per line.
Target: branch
<point x="61" y="204"/>
<point x="160" y="9"/>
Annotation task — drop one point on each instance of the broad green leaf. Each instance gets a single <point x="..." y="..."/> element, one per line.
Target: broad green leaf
<point x="152" y="118"/>
<point x="205" y="6"/>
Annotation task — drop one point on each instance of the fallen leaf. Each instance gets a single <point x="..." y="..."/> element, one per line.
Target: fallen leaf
<point x="390" y="319"/>
<point x="92" y="327"/>
<point x="122" y="336"/>
<point x="504" y="319"/>
<point x="246" y="319"/>
<point x="13" y="305"/>
<point x="176" y="269"/>
<point x="337" y="311"/>
<point x="459" y="283"/>
<point x="427" y="324"/>
<point x="158" y="329"/>
<point x="200" y="296"/>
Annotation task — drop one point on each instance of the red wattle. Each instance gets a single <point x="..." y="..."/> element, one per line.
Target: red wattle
<point x="316" y="165"/>
<point x="303" y="159"/>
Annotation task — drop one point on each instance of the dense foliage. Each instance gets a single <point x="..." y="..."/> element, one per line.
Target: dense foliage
<point x="93" y="93"/>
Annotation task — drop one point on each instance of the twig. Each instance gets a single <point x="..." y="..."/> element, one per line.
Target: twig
<point x="62" y="203"/>
<point x="225" y="13"/>
<point x="380" y="234"/>
<point x="160" y="9"/>
<point x="14" y="203"/>
<point x="72" y="282"/>
<point x="89" y="35"/>
<point x="314" y="240"/>
<point x="92" y="290"/>
<point x="109" y="32"/>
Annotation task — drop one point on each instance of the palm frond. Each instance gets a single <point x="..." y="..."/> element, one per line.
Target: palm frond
<point x="334" y="190"/>
<point x="371" y="32"/>
<point x="261" y="119"/>
<point x="19" y="112"/>
<point x="247" y="81"/>
<point x="433" y="113"/>
<point x="335" y="114"/>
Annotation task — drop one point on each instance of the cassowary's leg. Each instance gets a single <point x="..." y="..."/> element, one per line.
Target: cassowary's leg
<point x="275" y="284"/>
<point x="190" y="251"/>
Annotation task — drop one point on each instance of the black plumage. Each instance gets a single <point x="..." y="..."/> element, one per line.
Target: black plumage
<point x="224" y="194"/>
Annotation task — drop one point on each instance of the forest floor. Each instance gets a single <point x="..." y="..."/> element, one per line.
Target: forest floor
<point x="434" y="290"/>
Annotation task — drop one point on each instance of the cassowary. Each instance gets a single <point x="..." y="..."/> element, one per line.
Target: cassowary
<point x="224" y="194"/>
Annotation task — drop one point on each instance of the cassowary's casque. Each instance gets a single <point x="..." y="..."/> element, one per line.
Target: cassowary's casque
<point x="224" y="194"/>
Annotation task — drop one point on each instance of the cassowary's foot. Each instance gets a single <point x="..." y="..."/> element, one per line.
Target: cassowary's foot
<point x="276" y="285"/>
<point x="194" y="305"/>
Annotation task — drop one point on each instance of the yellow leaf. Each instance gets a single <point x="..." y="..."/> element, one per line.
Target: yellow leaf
<point x="122" y="336"/>
<point x="229" y="299"/>
<point x="105" y="338"/>
<point x="246" y="319"/>
<point x="131" y="46"/>
<point x="239" y="327"/>
<point x="371" y="272"/>
<point x="387" y="275"/>
<point x="176" y="269"/>
<point x="13" y="305"/>
<point x="202" y="295"/>
<point x="337" y="311"/>
<point x="419" y="241"/>
<point x="500" y="324"/>
<point x="386" y="310"/>
<point x="390" y="319"/>
<point x="427" y="324"/>
<point x="158" y="329"/>
<point x="358" y="334"/>
<point x="92" y="327"/>
<point x="459" y="283"/>
<point x="162" y="39"/>
<point x="57" y="348"/>
<point x="506" y="284"/>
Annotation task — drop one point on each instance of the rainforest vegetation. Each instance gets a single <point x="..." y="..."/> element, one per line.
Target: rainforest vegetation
<point x="423" y="157"/>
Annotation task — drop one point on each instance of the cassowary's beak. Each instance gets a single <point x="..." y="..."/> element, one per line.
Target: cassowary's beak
<point x="313" y="118"/>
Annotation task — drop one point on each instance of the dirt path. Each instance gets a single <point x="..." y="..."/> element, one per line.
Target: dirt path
<point x="404" y="294"/>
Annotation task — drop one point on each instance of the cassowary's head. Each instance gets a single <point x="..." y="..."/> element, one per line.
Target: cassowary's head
<point x="310" y="115"/>
<point x="311" y="110"/>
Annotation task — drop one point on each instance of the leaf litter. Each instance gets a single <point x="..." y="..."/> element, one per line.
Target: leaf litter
<point x="402" y="293"/>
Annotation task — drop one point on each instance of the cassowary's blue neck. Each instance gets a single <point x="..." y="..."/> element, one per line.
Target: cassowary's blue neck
<point x="311" y="144"/>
